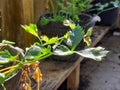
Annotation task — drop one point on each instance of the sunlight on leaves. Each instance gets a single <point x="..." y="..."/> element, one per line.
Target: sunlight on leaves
<point x="6" y="43"/>
<point x="62" y="50"/>
<point x="32" y="29"/>
<point x="93" y="53"/>
<point x="69" y="23"/>
<point x="87" y="38"/>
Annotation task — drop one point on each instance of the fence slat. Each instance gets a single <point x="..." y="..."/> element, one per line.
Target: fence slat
<point x="14" y="14"/>
<point x="40" y="7"/>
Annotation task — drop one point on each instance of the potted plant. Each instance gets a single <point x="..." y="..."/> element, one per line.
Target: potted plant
<point x="107" y="10"/>
<point x="64" y="10"/>
<point x="9" y="57"/>
<point x="44" y="48"/>
<point x="67" y="44"/>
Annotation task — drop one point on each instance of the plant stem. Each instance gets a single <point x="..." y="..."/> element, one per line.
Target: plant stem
<point x="37" y="59"/>
<point x="39" y="40"/>
<point x="7" y="68"/>
<point x="3" y="87"/>
<point x="106" y="10"/>
<point x="52" y="6"/>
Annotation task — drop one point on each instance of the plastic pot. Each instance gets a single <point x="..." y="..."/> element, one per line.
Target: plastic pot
<point x="108" y="17"/>
<point x="13" y="83"/>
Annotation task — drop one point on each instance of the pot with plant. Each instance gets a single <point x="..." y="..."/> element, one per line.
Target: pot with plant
<point x="71" y="40"/>
<point x="44" y="48"/>
<point x="9" y="57"/>
<point x="51" y="24"/>
<point x="108" y="11"/>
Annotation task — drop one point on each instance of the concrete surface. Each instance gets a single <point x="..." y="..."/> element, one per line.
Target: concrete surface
<point x="103" y="75"/>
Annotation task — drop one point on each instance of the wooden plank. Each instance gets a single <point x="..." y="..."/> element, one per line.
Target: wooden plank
<point x="55" y="72"/>
<point x="98" y="33"/>
<point x="73" y="79"/>
<point x="14" y="14"/>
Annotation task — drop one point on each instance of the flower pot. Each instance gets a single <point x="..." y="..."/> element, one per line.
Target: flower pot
<point x="13" y="82"/>
<point x="108" y="17"/>
<point x="52" y="29"/>
<point x="58" y="29"/>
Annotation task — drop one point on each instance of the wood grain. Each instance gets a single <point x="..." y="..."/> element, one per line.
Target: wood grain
<point x="14" y="14"/>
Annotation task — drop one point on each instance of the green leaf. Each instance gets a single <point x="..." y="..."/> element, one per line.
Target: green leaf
<point x="45" y="38"/>
<point x="53" y="40"/>
<point x="89" y="32"/>
<point x="116" y="3"/>
<point x="58" y="18"/>
<point x="87" y="38"/>
<point x="69" y="23"/>
<point x="94" y="53"/>
<point x="44" y="21"/>
<point x="32" y="52"/>
<point x="35" y="52"/>
<point x="62" y="51"/>
<point x="2" y="78"/>
<point x="49" y="40"/>
<point x="75" y="37"/>
<point x="66" y="35"/>
<point x="6" y="42"/>
<point x="32" y="29"/>
<point x="6" y="57"/>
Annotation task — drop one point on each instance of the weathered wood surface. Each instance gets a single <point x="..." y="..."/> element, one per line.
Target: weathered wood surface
<point x="55" y="72"/>
<point x="98" y="33"/>
<point x="14" y="14"/>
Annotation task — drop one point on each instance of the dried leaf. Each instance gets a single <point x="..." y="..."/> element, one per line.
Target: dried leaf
<point x="34" y="65"/>
<point x="37" y="76"/>
<point x="26" y="86"/>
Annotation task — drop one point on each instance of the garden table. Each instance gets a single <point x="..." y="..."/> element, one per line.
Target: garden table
<point x="56" y="72"/>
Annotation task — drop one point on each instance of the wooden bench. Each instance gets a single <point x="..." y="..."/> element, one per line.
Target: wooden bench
<point x="56" y="72"/>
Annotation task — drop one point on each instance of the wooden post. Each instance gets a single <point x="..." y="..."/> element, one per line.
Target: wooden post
<point x="14" y="14"/>
<point x="73" y="79"/>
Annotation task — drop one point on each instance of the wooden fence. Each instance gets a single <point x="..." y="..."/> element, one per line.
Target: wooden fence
<point x="20" y="12"/>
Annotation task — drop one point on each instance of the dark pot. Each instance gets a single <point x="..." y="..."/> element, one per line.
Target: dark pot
<point x="13" y="83"/>
<point x="58" y="29"/>
<point x="52" y="29"/>
<point x="86" y="21"/>
<point x="109" y="17"/>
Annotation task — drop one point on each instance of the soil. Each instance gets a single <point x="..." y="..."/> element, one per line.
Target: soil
<point x="103" y="75"/>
